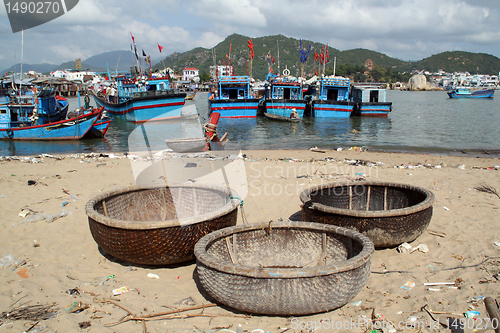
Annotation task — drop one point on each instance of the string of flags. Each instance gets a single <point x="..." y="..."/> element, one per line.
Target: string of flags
<point x="147" y="58"/>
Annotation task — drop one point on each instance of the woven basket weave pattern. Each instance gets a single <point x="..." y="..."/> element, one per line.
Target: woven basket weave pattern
<point x="158" y="226"/>
<point x="284" y="297"/>
<point x="291" y="268"/>
<point x="389" y="214"/>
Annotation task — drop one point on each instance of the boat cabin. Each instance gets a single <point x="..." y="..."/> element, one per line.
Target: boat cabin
<point x="137" y="87"/>
<point x="368" y="94"/>
<point x="334" y="88"/>
<point x="234" y="87"/>
<point x="18" y="110"/>
<point x="286" y="90"/>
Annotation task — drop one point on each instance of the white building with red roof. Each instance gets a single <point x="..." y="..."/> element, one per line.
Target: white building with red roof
<point x="190" y="73"/>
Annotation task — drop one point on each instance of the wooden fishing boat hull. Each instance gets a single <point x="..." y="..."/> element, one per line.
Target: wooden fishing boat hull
<point x="281" y="118"/>
<point x="70" y="129"/>
<point x="100" y="127"/>
<point x="373" y="109"/>
<point x="191" y="96"/>
<point x="185" y="145"/>
<point x="283" y="107"/>
<point x="235" y="108"/>
<point x="149" y="106"/>
<point x="332" y="109"/>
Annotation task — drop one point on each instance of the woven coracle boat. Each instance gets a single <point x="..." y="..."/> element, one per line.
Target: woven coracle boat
<point x="388" y="213"/>
<point x="160" y="225"/>
<point x="283" y="268"/>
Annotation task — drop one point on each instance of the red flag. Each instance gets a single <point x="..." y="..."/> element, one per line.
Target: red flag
<point x="160" y="47"/>
<point x="133" y="39"/>
<point x="230" y="47"/>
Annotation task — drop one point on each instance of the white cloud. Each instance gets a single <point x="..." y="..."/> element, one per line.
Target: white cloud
<point x="406" y="29"/>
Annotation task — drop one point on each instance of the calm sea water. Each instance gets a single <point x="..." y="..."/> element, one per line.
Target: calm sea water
<point x="419" y="122"/>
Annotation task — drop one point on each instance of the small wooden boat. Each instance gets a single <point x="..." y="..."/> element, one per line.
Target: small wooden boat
<point x="185" y="145"/>
<point x="190" y="97"/>
<point x="100" y="127"/>
<point x="281" y="118"/>
<point x="68" y="129"/>
<point x="209" y="140"/>
<point x="466" y="92"/>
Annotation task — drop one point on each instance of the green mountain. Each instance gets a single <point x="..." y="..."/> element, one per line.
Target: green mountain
<point x="458" y="61"/>
<point x="289" y="58"/>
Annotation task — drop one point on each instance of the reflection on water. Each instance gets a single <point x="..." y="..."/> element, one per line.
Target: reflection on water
<point x="420" y="121"/>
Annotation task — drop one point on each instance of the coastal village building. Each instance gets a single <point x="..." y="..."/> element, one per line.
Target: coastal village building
<point x="59" y="74"/>
<point x="69" y="75"/>
<point x="190" y="73"/>
<point x="216" y="71"/>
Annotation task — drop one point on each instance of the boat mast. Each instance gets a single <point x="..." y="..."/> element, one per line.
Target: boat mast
<point x="278" y="47"/>
<point x="21" y="75"/>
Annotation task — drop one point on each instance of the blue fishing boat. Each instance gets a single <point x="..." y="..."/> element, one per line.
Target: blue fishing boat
<point x="41" y="107"/>
<point x="283" y="95"/>
<point x="233" y="98"/>
<point x="333" y="99"/>
<point x="466" y="92"/>
<point x="68" y="129"/>
<point x="370" y="101"/>
<point x="141" y="99"/>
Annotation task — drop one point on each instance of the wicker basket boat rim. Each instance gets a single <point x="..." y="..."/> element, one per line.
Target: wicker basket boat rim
<point x="281" y="273"/>
<point x="305" y="196"/>
<point x="232" y="204"/>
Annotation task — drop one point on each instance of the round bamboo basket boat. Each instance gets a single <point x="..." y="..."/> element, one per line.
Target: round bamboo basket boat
<point x="388" y="213"/>
<point x="283" y="268"/>
<point x="160" y="225"/>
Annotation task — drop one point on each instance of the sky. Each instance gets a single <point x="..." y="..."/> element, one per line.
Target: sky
<point x="403" y="29"/>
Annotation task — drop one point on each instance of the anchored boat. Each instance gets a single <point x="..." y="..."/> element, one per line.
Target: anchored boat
<point x="68" y="129"/>
<point x="142" y="99"/>
<point x="284" y="94"/>
<point x="466" y="92"/>
<point x="333" y="99"/>
<point x="233" y="98"/>
<point x="370" y="101"/>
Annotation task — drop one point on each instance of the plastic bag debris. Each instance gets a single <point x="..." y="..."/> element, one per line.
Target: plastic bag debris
<point x="407" y="248"/>
<point x="408" y="285"/>
<point x="404" y="248"/>
<point x="9" y="260"/>
<point x="120" y="290"/>
<point x="186" y="301"/>
<point x="49" y="218"/>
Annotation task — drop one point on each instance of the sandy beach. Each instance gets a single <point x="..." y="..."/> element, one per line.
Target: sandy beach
<point x="59" y="263"/>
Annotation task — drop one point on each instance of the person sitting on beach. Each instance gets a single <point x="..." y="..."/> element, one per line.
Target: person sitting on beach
<point x="212" y="95"/>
